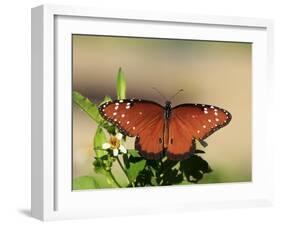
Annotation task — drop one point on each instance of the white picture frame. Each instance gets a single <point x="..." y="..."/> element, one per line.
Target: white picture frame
<point x="52" y="197"/>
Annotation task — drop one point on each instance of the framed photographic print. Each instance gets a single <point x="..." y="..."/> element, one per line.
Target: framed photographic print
<point x="136" y="112"/>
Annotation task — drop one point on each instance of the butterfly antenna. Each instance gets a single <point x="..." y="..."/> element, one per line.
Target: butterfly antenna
<point x="160" y="93"/>
<point x="175" y="94"/>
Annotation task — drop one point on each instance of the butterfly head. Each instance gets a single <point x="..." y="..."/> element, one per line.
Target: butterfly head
<point x="168" y="105"/>
<point x="168" y="109"/>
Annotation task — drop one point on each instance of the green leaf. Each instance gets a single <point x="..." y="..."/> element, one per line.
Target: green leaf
<point x="102" y="167"/>
<point x="87" y="106"/>
<point x="105" y="99"/>
<point x="104" y="180"/>
<point x="109" y="128"/>
<point x="134" y="153"/>
<point x="103" y="163"/>
<point x="121" y="85"/>
<point x="135" y="169"/>
<point x="85" y="182"/>
<point x="97" y="181"/>
<point x="99" y="140"/>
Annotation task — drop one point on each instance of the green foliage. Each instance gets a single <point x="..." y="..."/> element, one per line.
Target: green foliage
<point x="138" y="170"/>
<point x="160" y="173"/>
<point x="121" y="85"/>
<point x="99" y="140"/>
<point x="134" y="153"/>
<point x="93" y="182"/>
<point x="105" y="99"/>
<point x="135" y="168"/>
<point x="87" y="106"/>
<point x="85" y="182"/>
<point x="194" y="168"/>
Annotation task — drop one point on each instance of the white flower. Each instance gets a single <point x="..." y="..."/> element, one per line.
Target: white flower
<point x="115" y="152"/>
<point x="122" y="149"/>
<point x="115" y="144"/>
<point x="119" y="136"/>
<point x="106" y="146"/>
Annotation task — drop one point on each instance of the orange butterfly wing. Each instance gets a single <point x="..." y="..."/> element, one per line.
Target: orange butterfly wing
<point x="145" y="121"/>
<point x="141" y="119"/>
<point x="192" y="121"/>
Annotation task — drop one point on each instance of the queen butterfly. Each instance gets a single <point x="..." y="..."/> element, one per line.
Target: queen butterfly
<point x="160" y="129"/>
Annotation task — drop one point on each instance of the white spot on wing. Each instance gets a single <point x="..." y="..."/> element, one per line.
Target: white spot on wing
<point x="128" y="107"/>
<point x="134" y="128"/>
<point x="114" y="113"/>
<point x="217" y="120"/>
<point x="216" y="113"/>
<point x="116" y="107"/>
<point x="140" y="113"/>
<point x="204" y="126"/>
<point x="209" y="120"/>
<point x="128" y="122"/>
<point x="198" y="131"/>
<point x="193" y="116"/>
<point x="123" y="115"/>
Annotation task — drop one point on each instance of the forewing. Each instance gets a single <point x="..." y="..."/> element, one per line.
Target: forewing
<point x="138" y="118"/>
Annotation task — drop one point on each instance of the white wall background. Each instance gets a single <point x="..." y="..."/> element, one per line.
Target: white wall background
<point x="15" y="111"/>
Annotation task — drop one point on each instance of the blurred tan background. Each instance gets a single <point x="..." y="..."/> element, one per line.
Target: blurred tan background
<point x="217" y="73"/>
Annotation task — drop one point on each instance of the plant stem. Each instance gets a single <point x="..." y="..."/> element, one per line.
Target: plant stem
<point x="114" y="179"/>
<point x="125" y="172"/>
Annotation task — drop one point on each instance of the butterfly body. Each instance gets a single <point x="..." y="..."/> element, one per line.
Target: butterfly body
<point x="167" y="115"/>
<point x="164" y="129"/>
<point x="168" y="109"/>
